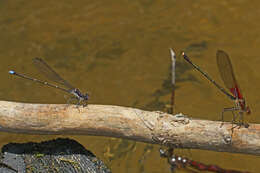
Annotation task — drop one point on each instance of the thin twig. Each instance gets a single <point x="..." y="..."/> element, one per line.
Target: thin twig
<point x="173" y="58"/>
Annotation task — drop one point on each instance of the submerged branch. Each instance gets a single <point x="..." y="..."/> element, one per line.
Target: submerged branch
<point x="129" y="123"/>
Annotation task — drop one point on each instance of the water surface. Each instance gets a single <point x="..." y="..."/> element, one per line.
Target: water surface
<point x="119" y="52"/>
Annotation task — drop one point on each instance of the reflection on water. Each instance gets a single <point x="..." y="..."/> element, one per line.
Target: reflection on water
<point x="119" y="52"/>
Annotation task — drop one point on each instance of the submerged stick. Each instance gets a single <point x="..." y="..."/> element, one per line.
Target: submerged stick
<point x="173" y="59"/>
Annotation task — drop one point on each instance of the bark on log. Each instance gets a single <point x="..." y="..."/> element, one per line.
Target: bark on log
<point x="129" y="123"/>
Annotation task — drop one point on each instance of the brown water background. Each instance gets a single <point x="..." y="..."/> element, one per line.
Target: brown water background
<point x="119" y="52"/>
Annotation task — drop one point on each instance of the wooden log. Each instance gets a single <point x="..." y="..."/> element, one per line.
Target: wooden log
<point x="129" y="123"/>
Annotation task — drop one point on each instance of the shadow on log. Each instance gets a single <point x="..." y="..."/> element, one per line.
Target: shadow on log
<point x="60" y="155"/>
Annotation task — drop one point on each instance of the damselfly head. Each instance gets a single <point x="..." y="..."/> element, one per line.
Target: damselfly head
<point x="86" y="96"/>
<point x="79" y="95"/>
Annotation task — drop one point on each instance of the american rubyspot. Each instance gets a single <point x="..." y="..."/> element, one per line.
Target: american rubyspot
<point x="228" y="77"/>
<point x="176" y="162"/>
<point x="45" y="69"/>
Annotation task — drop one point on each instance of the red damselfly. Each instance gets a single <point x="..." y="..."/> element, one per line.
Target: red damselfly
<point x="228" y="77"/>
<point x="176" y="161"/>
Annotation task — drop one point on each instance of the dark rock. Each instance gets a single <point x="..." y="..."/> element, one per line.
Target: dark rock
<point x="59" y="155"/>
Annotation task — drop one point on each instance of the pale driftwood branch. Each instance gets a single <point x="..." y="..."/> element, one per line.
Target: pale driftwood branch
<point x="128" y="123"/>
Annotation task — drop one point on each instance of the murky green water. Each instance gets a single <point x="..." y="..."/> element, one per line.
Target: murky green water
<point x="119" y="52"/>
